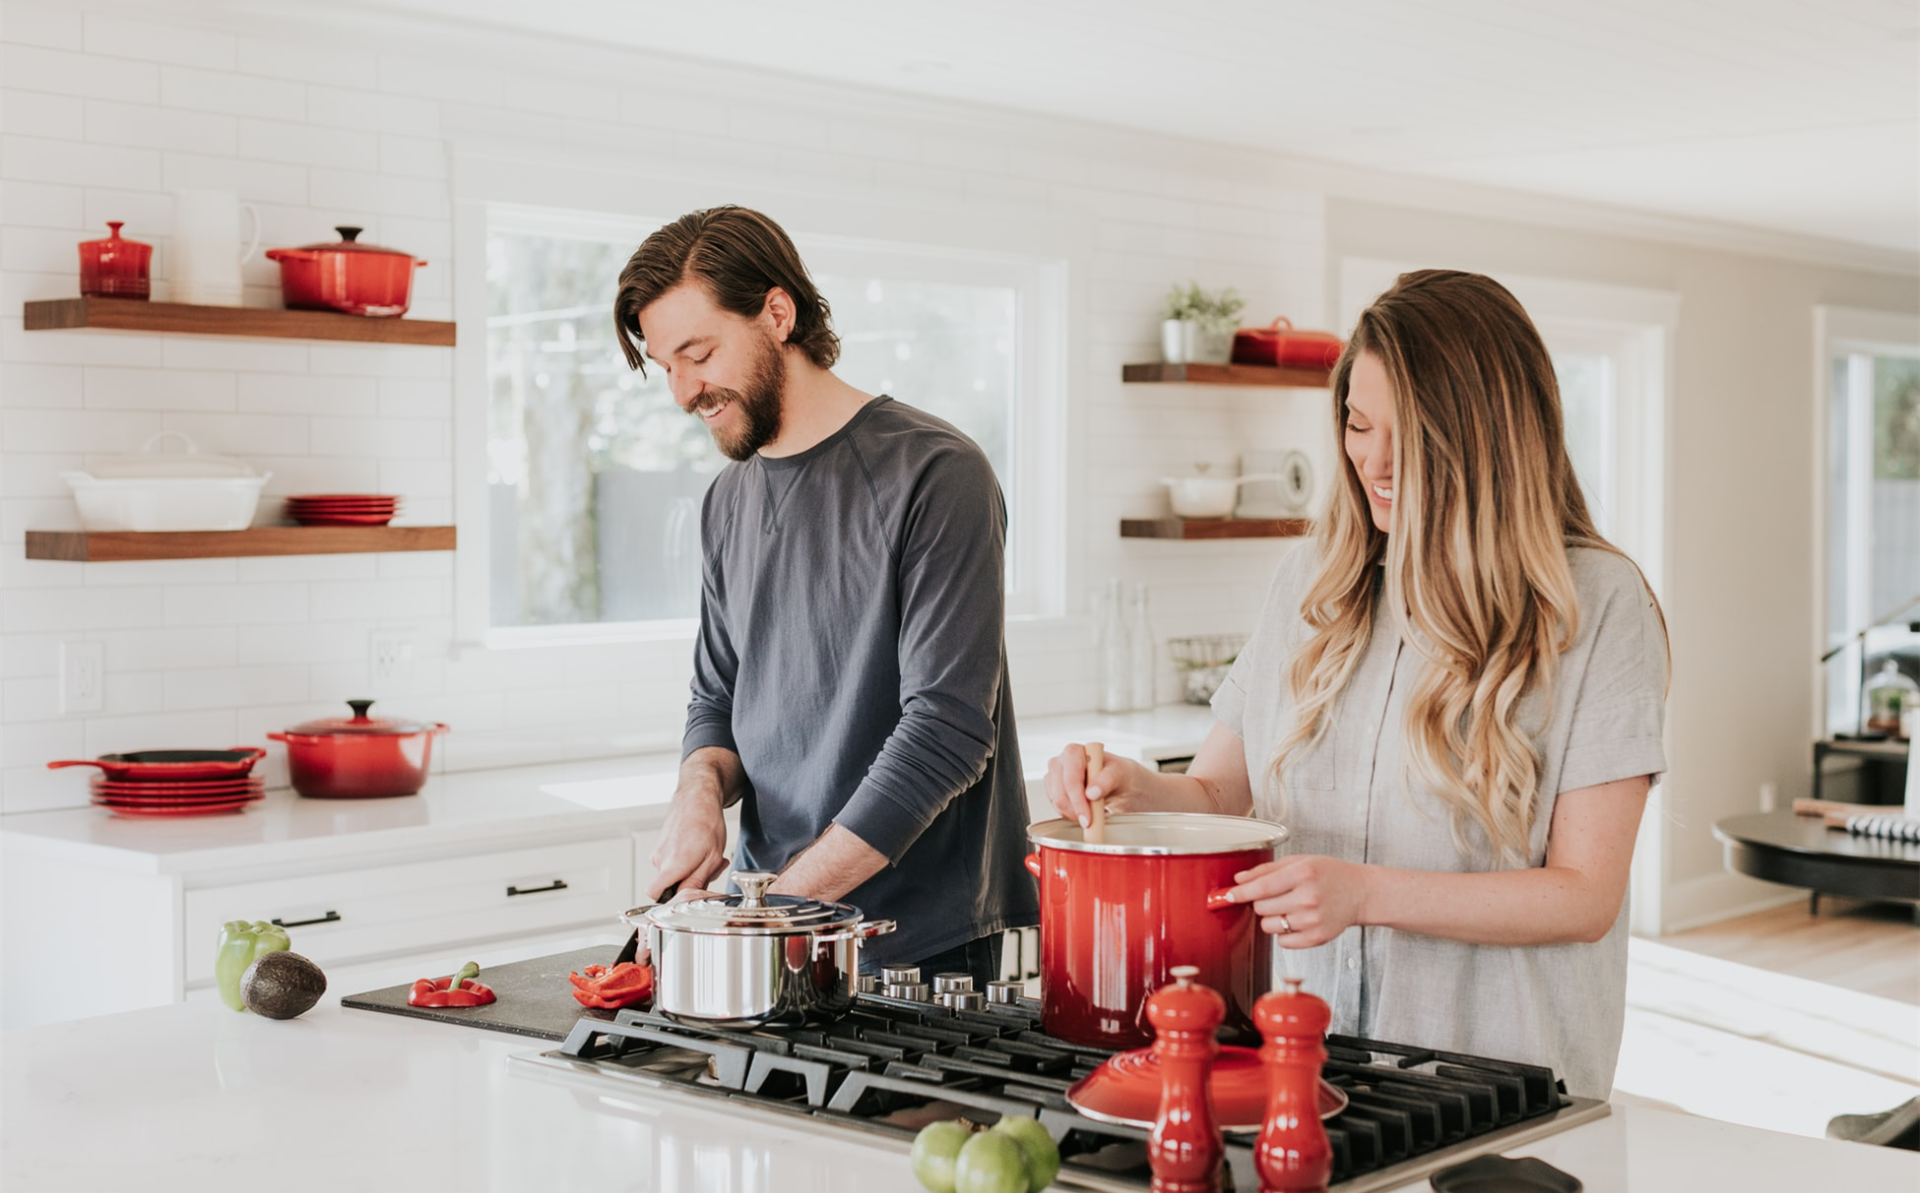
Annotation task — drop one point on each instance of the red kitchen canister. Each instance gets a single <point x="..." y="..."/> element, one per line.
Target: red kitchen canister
<point x="115" y="267"/>
<point x="1118" y="914"/>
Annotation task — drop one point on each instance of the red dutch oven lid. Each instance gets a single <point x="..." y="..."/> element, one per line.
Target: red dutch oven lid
<point x="362" y="725"/>
<point x="348" y="243"/>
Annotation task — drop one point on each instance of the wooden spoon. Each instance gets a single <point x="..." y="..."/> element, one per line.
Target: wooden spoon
<point x="1096" y="832"/>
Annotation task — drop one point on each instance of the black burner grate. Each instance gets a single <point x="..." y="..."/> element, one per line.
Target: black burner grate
<point x="893" y="1066"/>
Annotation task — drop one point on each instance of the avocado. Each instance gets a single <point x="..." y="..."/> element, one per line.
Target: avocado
<point x="282" y="985"/>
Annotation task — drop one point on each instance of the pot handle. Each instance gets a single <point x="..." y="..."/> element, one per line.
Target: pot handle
<point x="867" y="929"/>
<point x="1217" y="900"/>
<point x="292" y="255"/>
<point x="254" y="753"/>
<point x="79" y="762"/>
<point x="278" y="737"/>
<point x="1033" y="864"/>
<point x="439" y="727"/>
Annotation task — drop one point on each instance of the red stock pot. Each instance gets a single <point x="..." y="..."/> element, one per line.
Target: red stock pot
<point x="359" y="757"/>
<point x="1117" y="915"/>
<point x="360" y="279"/>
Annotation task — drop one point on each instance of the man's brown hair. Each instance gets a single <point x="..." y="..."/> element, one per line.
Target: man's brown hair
<point x="737" y="255"/>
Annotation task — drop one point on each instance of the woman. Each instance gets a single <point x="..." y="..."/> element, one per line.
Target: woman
<point x="1454" y="700"/>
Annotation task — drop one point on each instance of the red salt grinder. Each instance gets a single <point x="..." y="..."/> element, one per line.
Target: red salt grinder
<point x="1185" y="1149"/>
<point x="1292" y="1154"/>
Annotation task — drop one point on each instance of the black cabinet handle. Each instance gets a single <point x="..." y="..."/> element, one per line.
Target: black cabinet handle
<point x="558" y="884"/>
<point x="332" y="917"/>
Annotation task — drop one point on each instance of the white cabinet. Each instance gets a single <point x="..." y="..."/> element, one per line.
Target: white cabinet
<point x="103" y="915"/>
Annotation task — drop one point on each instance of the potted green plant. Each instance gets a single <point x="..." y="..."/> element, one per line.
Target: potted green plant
<point x="1198" y="325"/>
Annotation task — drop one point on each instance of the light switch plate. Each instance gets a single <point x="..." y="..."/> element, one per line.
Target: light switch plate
<point x="83" y="678"/>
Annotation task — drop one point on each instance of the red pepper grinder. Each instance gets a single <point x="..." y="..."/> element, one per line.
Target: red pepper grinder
<point x="115" y="267"/>
<point x="1292" y="1154"/>
<point x="1185" y="1150"/>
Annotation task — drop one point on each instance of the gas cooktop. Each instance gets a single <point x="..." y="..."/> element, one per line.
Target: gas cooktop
<point x="894" y="1064"/>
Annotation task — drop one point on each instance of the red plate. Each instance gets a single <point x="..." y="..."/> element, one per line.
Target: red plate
<point x="343" y="497"/>
<point x="343" y="519"/>
<point x="342" y="505"/>
<point x="1126" y="1089"/>
<point x="122" y="801"/>
<point x="174" y="790"/>
<point x="167" y="810"/>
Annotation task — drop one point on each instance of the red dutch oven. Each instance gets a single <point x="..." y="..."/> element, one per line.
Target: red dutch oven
<point x="359" y="757"/>
<point x="1116" y="917"/>
<point x="360" y="279"/>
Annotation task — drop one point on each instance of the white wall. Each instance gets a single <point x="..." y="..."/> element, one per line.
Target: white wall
<point x="104" y="114"/>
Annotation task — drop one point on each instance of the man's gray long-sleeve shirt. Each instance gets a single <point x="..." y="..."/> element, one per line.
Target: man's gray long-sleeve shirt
<point x="852" y="652"/>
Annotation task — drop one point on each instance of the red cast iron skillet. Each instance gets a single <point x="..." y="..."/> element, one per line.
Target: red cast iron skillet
<point x="171" y="766"/>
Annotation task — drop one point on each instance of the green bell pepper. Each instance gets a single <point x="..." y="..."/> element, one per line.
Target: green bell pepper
<point x="240" y="943"/>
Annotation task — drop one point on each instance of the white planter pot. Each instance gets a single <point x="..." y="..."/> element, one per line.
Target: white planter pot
<point x="1187" y="341"/>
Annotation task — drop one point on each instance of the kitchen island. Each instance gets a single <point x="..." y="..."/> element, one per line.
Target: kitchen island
<point x="193" y="1097"/>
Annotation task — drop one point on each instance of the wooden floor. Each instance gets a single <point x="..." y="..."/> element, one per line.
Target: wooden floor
<point x="1872" y="948"/>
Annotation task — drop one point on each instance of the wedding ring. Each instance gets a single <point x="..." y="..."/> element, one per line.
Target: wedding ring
<point x="1285" y="927"/>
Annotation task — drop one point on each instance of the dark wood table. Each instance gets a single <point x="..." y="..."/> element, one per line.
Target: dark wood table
<point x="1802" y="851"/>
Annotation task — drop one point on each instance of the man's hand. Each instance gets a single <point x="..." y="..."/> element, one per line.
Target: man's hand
<point x="693" y="842"/>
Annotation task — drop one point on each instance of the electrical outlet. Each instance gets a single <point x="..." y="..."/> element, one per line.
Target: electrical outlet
<point x="1769" y="797"/>
<point x="82" y="677"/>
<point x="390" y="661"/>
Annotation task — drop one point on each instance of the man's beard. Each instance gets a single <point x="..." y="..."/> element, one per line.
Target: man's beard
<point x="759" y="403"/>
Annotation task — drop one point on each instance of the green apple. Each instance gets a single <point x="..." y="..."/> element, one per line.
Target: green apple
<point x="991" y="1162"/>
<point x="1043" y="1154"/>
<point x="935" y="1150"/>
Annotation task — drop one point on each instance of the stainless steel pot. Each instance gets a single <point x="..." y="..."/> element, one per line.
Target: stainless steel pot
<point x="754" y="959"/>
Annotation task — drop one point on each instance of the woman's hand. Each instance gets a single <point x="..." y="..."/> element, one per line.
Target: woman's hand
<point x="1304" y="901"/>
<point x="1118" y="783"/>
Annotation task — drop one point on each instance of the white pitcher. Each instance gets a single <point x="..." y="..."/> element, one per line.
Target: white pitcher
<point x="207" y="248"/>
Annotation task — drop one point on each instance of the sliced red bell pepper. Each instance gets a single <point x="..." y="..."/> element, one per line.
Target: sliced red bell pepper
<point x="456" y="991"/>
<point x="609" y="989"/>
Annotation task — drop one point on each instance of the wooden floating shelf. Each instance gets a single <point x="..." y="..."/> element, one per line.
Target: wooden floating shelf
<point x="179" y="318"/>
<point x="1166" y="374"/>
<point x="102" y="546"/>
<point x="1215" y="528"/>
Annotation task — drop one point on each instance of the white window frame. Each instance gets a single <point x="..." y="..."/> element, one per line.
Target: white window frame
<point x="1845" y="331"/>
<point x="1038" y="434"/>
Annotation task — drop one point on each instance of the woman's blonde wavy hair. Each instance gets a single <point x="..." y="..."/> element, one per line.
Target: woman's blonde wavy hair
<point x="1485" y="506"/>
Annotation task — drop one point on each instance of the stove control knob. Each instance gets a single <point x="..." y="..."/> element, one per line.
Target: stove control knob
<point x="908" y="991"/>
<point x="899" y="975"/>
<point x="962" y="1000"/>
<point x="1005" y="993"/>
<point x="952" y="983"/>
<point x="867" y="983"/>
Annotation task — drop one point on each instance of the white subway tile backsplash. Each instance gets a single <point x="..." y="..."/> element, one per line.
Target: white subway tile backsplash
<point x="24" y="656"/>
<point x="381" y="599"/>
<point x="166" y="389"/>
<point x="309" y="145"/>
<point x="234" y="687"/>
<point x="281" y="59"/>
<point x="422" y="438"/>
<point x="271" y="182"/>
<point x="234" y="604"/>
<point x="381" y="360"/>
<point x="42" y="114"/>
<point x="152" y="42"/>
<point x="324" y="642"/>
<point x="35" y="68"/>
<point x="43" y="205"/>
<point x="161" y="648"/>
<point x="37" y="789"/>
<point x="40" y="159"/>
<point x="416" y="479"/>
<point x="368" y="109"/>
<point x="250" y="357"/>
<point x="23" y="700"/>
<point x="59" y="26"/>
<point x="18" y="514"/>
<point x="290" y="393"/>
<point x="38" y="743"/>
<point x="45" y="386"/>
<point x="110" y="122"/>
<point x="415" y="399"/>
<point x="244" y="435"/>
<point x="415" y="157"/>
<point x="236" y="94"/>
<point x="132" y="693"/>
<point x="148" y="216"/>
<point x="302" y="475"/>
<point x="384" y="193"/>
<point x="50" y="610"/>
<point x="76" y="430"/>
<point x="208" y="730"/>
<point x="160" y="571"/>
<point x="413" y="565"/>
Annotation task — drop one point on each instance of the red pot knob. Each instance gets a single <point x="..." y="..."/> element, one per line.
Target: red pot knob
<point x="1292" y="1154"/>
<point x="1185" y="1149"/>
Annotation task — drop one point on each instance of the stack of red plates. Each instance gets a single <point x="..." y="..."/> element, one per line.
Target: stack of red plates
<point x="158" y="797"/>
<point x="343" y="509"/>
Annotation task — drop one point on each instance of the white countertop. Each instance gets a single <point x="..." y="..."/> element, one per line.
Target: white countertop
<point x="193" y="1097"/>
<point x="286" y="829"/>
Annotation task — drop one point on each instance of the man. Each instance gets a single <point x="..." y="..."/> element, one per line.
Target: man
<point x="850" y="678"/>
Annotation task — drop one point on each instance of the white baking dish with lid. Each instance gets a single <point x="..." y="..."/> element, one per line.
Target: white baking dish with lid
<point x="166" y="490"/>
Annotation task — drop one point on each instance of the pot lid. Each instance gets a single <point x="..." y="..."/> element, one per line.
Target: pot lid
<point x="360" y="725"/>
<point x="148" y="463"/>
<point x="349" y="242"/>
<point x="1126" y="1088"/>
<point x="753" y="912"/>
<point x="1161" y="834"/>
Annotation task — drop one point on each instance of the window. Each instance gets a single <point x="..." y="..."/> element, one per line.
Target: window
<point x="595" y="477"/>
<point x="1871" y="490"/>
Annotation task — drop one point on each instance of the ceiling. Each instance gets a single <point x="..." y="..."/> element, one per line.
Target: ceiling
<point x="1800" y="116"/>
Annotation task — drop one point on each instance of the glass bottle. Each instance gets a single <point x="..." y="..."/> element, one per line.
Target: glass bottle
<point x="1140" y="638"/>
<point x="1888" y="694"/>
<point x="1115" y="669"/>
